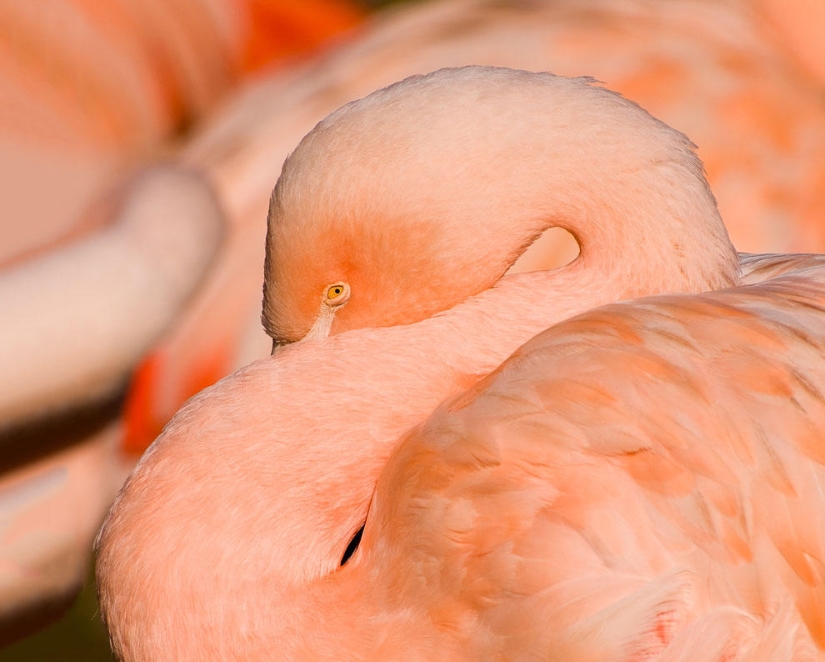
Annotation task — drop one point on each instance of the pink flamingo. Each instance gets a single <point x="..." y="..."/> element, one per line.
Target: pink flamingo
<point x="236" y="536"/>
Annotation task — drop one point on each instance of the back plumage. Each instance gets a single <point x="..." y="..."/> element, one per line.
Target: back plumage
<point x="642" y="482"/>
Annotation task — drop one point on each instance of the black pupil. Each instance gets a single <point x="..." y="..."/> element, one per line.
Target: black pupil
<point x="353" y="545"/>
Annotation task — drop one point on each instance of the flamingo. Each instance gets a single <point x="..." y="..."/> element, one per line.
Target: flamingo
<point x="485" y="524"/>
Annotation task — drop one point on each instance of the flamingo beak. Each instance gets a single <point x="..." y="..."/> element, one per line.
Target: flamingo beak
<point x="319" y="331"/>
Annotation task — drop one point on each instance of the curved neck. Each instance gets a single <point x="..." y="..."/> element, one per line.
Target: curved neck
<point x="419" y="215"/>
<point x="666" y="238"/>
<point x="638" y="204"/>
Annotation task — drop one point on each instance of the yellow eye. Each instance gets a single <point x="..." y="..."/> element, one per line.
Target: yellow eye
<point x="336" y="294"/>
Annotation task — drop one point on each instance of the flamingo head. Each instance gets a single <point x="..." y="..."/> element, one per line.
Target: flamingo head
<point x="407" y="202"/>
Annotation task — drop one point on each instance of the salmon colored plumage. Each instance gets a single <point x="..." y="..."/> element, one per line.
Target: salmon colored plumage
<point x="640" y="482"/>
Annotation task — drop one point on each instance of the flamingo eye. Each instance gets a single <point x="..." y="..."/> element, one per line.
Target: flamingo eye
<point x="337" y="294"/>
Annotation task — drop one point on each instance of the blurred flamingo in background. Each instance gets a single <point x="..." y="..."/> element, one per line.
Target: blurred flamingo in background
<point x="643" y="481"/>
<point x="797" y="25"/>
<point x="89" y="89"/>
<point x="712" y="69"/>
<point x="98" y="250"/>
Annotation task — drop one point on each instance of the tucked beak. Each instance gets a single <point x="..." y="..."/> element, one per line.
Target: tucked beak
<point x="337" y="296"/>
<point x="319" y="330"/>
